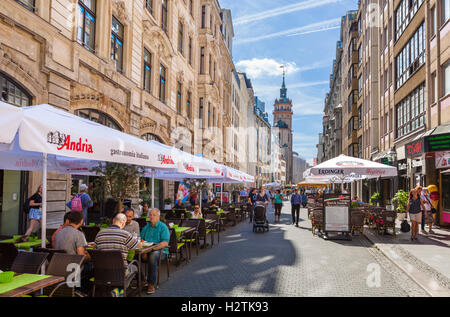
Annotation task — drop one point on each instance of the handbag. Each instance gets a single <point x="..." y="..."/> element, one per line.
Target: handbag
<point x="433" y="210"/>
<point x="405" y="226"/>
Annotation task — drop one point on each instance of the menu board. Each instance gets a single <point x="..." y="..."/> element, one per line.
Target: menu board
<point x="337" y="212"/>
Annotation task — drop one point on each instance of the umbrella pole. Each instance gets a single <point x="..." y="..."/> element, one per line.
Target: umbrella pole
<point x="221" y="194"/>
<point x="153" y="188"/>
<point x="44" y="206"/>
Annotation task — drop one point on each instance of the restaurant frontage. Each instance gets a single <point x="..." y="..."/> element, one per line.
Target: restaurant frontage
<point x="429" y="164"/>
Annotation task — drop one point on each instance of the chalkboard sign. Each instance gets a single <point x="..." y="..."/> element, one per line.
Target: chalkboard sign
<point x="337" y="213"/>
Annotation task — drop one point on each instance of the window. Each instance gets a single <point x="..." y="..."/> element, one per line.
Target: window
<point x="350" y="102"/>
<point x="350" y="127"/>
<point x="151" y="137"/>
<point x="164" y="15"/>
<point x="147" y="70"/>
<point x="200" y="113"/>
<point x="411" y="112"/>
<point x="191" y="7"/>
<point x="360" y="86"/>
<point x="404" y="14"/>
<point x="359" y="117"/>
<point x="149" y="6"/>
<point x="203" y="17"/>
<point x="209" y="114"/>
<point x="180" y="38"/>
<point x="29" y="4"/>
<point x="214" y="72"/>
<point x="445" y="10"/>
<point x="99" y="117"/>
<point x="202" y="60"/>
<point x="446" y="81"/>
<point x="117" y="44"/>
<point x="411" y="57"/>
<point x="433" y="21"/>
<point x="360" y="147"/>
<point x="210" y="65"/>
<point x="86" y="24"/>
<point x="12" y="93"/>
<point x="162" y="84"/>
<point x="190" y="51"/>
<point x="179" y="97"/>
<point x="188" y="105"/>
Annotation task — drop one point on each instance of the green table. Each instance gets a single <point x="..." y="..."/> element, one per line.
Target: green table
<point x="180" y="230"/>
<point x="24" y="245"/>
<point x="20" y="281"/>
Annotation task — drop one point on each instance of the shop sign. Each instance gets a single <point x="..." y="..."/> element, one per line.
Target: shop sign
<point x="443" y="159"/>
<point x="435" y="143"/>
<point x="414" y="148"/>
<point x="402" y="166"/>
<point x="417" y="163"/>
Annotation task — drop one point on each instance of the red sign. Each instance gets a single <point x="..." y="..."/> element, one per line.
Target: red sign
<point x="166" y="160"/>
<point x="79" y="146"/>
<point x="415" y="148"/>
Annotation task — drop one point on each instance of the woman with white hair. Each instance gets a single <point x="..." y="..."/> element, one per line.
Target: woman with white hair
<point x="86" y="202"/>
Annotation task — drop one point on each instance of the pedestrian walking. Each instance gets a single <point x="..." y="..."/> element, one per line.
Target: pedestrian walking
<point x="34" y="215"/>
<point x="296" y="201"/>
<point x="278" y="205"/>
<point x="84" y="201"/>
<point x="251" y="203"/>
<point x="429" y="219"/>
<point x="415" y="212"/>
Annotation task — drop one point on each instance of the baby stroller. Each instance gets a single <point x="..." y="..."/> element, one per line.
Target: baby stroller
<point x="259" y="218"/>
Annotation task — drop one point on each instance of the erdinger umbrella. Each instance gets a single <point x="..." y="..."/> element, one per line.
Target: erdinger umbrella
<point x="56" y="134"/>
<point x="344" y="166"/>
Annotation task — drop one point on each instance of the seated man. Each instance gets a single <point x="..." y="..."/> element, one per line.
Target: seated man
<point x="158" y="233"/>
<point x="131" y="226"/>
<point x="70" y="239"/>
<point x="65" y="224"/>
<point x="115" y="238"/>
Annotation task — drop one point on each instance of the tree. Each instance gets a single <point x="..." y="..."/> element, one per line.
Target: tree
<point x="118" y="181"/>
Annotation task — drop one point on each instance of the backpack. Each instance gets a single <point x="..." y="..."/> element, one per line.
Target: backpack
<point x="405" y="227"/>
<point x="75" y="203"/>
<point x="26" y="206"/>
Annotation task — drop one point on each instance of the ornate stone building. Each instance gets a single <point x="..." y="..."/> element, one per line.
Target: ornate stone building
<point x="148" y="68"/>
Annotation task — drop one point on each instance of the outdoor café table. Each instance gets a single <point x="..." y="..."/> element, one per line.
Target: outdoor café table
<point x="139" y="253"/>
<point x="183" y="230"/>
<point x="24" y="245"/>
<point x="23" y="284"/>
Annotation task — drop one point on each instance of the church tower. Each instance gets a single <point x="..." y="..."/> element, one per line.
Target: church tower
<point x="282" y="118"/>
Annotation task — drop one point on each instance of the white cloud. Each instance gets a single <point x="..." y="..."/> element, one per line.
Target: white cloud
<point x="282" y="10"/>
<point x="256" y="68"/>
<point x="310" y="28"/>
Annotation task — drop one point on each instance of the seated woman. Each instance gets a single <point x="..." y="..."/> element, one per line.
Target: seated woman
<point x="197" y="214"/>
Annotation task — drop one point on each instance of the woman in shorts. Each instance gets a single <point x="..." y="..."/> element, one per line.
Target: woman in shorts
<point x="415" y="206"/>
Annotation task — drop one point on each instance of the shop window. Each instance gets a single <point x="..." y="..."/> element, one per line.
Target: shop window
<point x="12" y="93"/>
<point x="99" y="117"/>
<point x="86" y="23"/>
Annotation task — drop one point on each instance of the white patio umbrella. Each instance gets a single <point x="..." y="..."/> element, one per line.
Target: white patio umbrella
<point x="50" y="131"/>
<point x="350" y="168"/>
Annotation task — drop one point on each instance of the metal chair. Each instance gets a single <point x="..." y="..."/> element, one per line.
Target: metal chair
<point x="28" y="262"/>
<point x="8" y="253"/>
<point x="142" y="222"/>
<point x="191" y="237"/>
<point x="175" y="247"/>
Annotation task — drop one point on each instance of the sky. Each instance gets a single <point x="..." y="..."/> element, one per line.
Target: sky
<point x="301" y="35"/>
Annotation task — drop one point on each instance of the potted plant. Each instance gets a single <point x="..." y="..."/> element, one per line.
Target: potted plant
<point x="375" y="199"/>
<point x="167" y="203"/>
<point x="401" y="201"/>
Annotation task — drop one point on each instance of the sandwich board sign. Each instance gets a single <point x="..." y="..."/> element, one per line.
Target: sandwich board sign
<point x="337" y="214"/>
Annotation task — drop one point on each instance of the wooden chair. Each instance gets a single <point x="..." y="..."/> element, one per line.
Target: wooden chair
<point x="8" y="252"/>
<point x="317" y="220"/>
<point x="28" y="262"/>
<point x="357" y="221"/>
<point x="388" y="221"/>
<point x="109" y="270"/>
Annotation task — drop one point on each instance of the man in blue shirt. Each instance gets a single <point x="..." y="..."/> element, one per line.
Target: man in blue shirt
<point x="296" y="201"/>
<point x="158" y="233"/>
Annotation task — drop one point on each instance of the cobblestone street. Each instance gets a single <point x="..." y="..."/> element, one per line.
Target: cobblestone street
<point x="286" y="261"/>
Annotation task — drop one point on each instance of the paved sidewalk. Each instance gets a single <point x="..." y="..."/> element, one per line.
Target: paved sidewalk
<point x="426" y="260"/>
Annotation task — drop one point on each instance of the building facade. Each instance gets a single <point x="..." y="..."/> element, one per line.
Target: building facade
<point x="160" y="70"/>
